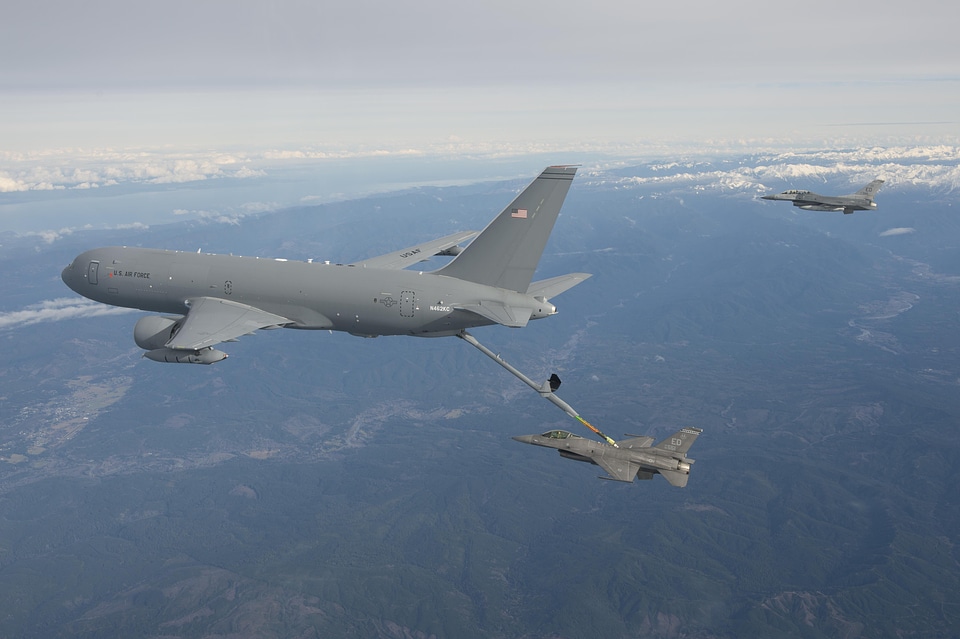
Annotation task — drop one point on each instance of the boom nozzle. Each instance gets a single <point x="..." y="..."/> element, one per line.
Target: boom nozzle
<point x="546" y="390"/>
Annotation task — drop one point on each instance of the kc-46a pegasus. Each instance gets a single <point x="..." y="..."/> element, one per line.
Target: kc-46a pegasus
<point x="205" y="299"/>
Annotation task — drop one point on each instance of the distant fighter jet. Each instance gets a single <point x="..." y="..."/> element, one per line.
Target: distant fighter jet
<point x="862" y="200"/>
<point x="207" y="299"/>
<point x="631" y="458"/>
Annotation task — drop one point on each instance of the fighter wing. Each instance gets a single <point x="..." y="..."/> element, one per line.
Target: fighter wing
<point x="620" y="470"/>
<point x="211" y="321"/>
<point x="419" y="253"/>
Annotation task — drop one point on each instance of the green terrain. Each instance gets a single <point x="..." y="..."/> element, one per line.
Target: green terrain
<point x="318" y="485"/>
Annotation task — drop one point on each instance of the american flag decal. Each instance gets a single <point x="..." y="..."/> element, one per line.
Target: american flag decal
<point x="521" y="213"/>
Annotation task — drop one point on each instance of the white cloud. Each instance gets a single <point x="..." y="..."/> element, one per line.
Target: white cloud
<point x="247" y="172"/>
<point x="898" y="231"/>
<point x="49" y="236"/>
<point x="11" y="185"/>
<point x="55" y="310"/>
<point x="252" y="208"/>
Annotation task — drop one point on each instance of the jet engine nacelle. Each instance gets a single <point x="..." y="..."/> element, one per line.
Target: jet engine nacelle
<point x="173" y="356"/>
<point x="153" y="332"/>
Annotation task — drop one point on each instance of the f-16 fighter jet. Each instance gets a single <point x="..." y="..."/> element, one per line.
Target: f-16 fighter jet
<point x="630" y="458"/>
<point x="862" y="200"/>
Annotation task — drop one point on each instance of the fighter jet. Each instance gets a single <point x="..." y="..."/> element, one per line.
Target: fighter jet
<point x="630" y="458"/>
<point x="205" y="299"/>
<point x="862" y="200"/>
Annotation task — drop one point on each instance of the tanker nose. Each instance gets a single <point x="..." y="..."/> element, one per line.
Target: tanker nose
<point x="67" y="276"/>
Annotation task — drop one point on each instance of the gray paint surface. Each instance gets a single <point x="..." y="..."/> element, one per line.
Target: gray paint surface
<point x="862" y="200"/>
<point x="630" y="459"/>
<point x="215" y="298"/>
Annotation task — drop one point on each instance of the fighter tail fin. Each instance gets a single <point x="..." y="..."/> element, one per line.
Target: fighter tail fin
<point x="869" y="190"/>
<point x="681" y="441"/>
<point x="506" y="253"/>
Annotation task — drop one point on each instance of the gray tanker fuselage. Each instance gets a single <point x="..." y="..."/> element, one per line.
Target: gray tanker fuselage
<point x="311" y="295"/>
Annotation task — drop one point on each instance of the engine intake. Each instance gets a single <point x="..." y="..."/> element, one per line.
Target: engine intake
<point x="153" y="331"/>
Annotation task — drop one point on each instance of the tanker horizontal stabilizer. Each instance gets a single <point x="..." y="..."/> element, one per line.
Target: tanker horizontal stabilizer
<point x="556" y="285"/>
<point x="499" y="313"/>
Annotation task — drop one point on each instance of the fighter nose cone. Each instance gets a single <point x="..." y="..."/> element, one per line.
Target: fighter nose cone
<point x="524" y="439"/>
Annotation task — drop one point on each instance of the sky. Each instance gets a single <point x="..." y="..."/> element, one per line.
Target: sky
<point x="424" y="71"/>
<point x="152" y="90"/>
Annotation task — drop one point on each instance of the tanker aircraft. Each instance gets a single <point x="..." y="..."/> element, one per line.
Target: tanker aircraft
<point x="205" y="299"/>
<point x="862" y="200"/>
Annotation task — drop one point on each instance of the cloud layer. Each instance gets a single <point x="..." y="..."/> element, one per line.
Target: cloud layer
<point x="62" y="308"/>
<point x="95" y="168"/>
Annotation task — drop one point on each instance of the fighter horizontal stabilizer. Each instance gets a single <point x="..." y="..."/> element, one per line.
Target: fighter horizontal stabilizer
<point x="675" y="477"/>
<point x="499" y="313"/>
<point x="211" y="321"/>
<point x="556" y="285"/>
<point x="419" y="253"/>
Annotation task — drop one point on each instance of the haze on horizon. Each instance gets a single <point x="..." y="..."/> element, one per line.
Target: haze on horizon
<point x="431" y="76"/>
<point x="110" y="93"/>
